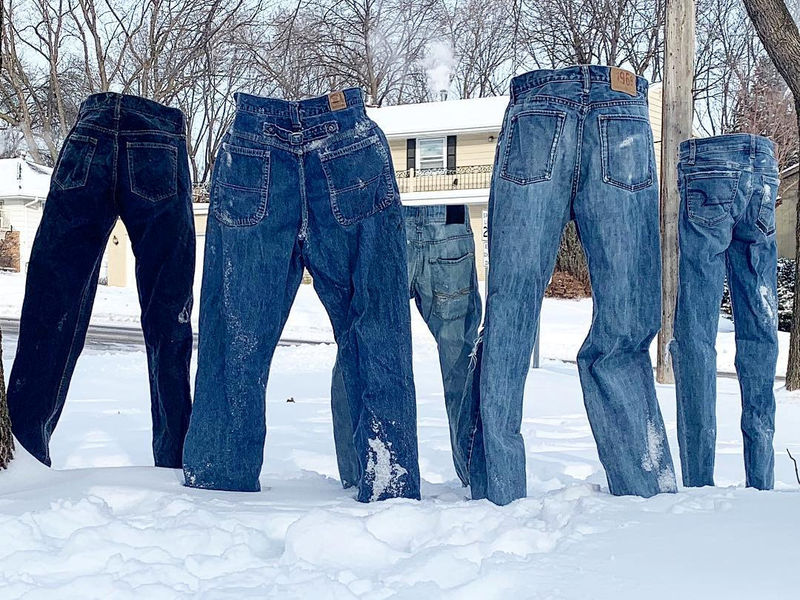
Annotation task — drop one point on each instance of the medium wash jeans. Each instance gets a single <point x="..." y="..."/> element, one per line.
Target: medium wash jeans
<point x="126" y="157"/>
<point x="443" y="283"/>
<point x="728" y="187"/>
<point x="573" y="147"/>
<point x="304" y="184"/>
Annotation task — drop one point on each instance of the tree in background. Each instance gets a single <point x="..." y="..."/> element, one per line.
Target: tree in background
<point x="779" y="34"/>
<point x="6" y="439"/>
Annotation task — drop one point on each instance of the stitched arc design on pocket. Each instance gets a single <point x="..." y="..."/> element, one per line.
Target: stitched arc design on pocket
<point x="766" y="211"/>
<point x="360" y="181"/>
<point x="76" y="156"/>
<point x="452" y="285"/>
<point x="627" y="151"/>
<point x="239" y="193"/>
<point x="531" y="145"/>
<point x="710" y="195"/>
<point x="153" y="170"/>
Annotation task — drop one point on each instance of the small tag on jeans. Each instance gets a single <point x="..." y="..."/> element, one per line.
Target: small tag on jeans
<point x="623" y="81"/>
<point x="337" y="101"/>
<point x="456" y="215"/>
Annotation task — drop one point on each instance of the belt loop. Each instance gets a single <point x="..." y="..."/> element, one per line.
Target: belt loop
<point x="692" y="151"/>
<point x="587" y="81"/>
<point x="294" y="114"/>
<point x="117" y="107"/>
<point x="752" y="147"/>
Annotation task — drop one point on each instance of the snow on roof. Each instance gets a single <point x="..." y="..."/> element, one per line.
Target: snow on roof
<point x="448" y="116"/>
<point x="18" y="177"/>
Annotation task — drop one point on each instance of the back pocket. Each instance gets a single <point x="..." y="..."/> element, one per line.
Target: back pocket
<point x="452" y="280"/>
<point x="74" y="162"/>
<point x="627" y="151"/>
<point x="710" y="194"/>
<point x="360" y="180"/>
<point x="766" y="212"/>
<point x="153" y="169"/>
<point x="531" y="145"/>
<point x="240" y="191"/>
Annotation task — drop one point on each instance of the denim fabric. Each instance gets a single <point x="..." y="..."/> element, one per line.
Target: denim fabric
<point x="304" y="184"/>
<point x="126" y="157"/>
<point x="572" y="147"/>
<point x="728" y="187"/>
<point x="443" y="283"/>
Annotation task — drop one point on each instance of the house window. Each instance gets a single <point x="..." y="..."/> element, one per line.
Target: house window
<point x="431" y="153"/>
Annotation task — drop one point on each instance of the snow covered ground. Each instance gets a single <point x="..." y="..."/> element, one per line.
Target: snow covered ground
<point x="104" y="524"/>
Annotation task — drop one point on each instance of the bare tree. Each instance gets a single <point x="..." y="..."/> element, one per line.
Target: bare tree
<point x="779" y="34"/>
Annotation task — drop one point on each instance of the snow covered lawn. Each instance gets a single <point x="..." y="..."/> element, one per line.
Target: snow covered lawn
<point x="103" y="524"/>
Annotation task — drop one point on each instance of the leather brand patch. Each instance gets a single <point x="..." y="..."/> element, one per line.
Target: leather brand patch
<point x="623" y="81"/>
<point x="337" y="101"/>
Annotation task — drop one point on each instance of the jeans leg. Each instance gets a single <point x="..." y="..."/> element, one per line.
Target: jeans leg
<point x="450" y="303"/>
<point x="163" y="240"/>
<point x="59" y="293"/>
<point x="346" y="458"/>
<point x="752" y="273"/>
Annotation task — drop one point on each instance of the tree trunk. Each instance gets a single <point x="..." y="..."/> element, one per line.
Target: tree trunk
<point x="779" y="35"/>
<point x="6" y="439"/>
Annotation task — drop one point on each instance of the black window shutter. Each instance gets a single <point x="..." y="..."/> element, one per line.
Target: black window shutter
<point x="451" y="153"/>
<point x="411" y="153"/>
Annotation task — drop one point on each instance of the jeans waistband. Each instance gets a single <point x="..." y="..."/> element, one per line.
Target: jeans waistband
<point x="744" y="144"/>
<point x="311" y="107"/>
<point x="171" y="118"/>
<point x="585" y="74"/>
<point x="440" y="213"/>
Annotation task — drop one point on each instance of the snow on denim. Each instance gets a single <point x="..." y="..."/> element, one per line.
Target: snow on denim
<point x="443" y="283"/>
<point x="299" y="184"/>
<point x="126" y="157"/>
<point x="572" y="147"/>
<point x="728" y="187"/>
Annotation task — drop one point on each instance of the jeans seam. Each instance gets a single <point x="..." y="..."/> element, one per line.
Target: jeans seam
<point x="548" y="171"/>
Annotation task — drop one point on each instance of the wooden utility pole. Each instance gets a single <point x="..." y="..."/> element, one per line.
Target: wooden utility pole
<point x="676" y="125"/>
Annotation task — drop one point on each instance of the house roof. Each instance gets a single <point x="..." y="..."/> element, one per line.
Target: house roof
<point x="449" y="116"/>
<point x="20" y="178"/>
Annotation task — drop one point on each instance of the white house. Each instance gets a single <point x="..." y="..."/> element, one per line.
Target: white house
<point x="23" y="190"/>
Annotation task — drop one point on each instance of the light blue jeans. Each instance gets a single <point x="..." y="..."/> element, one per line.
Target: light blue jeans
<point x="573" y="147"/>
<point x="443" y="283"/>
<point x="304" y="184"/>
<point x="728" y="188"/>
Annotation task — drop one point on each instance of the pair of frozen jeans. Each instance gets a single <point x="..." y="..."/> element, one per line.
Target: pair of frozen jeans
<point x="125" y="158"/>
<point x="728" y="188"/>
<point x="443" y="282"/>
<point x="573" y="146"/>
<point x="304" y="184"/>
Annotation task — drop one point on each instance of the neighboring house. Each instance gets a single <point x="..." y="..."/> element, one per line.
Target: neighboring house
<point x="786" y="213"/>
<point x="23" y="191"/>
<point x="442" y="152"/>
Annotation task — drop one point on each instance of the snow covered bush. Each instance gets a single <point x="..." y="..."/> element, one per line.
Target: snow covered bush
<point x="786" y="276"/>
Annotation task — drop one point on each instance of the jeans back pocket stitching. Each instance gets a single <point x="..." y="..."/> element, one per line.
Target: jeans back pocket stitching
<point x="691" y="210"/>
<point x="604" y="152"/>
<point x="263" y="191"/>
<point x="173" y="156"/>
<point x="87" y="162"/>
<point x="561" y="116"/>
<point x="762" y="226"/>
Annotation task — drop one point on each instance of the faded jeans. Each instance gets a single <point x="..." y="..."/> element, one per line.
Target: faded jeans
<point x="571" y="147"/>
<point x="125" y="158"/>
<point x="304" y="184"/>
<point x="443" y="283"/>
<point x="728" y="188"/>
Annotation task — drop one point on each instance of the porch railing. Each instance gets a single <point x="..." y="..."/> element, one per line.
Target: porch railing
<point x="473" y="177"/>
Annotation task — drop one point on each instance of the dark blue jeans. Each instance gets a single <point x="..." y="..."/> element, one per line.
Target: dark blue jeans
<point x="728" y="188"/>
<point x="304" y="184"/>
<point x="443" y="283"/>
<point x="571" y="146"/>
<point x="126" y="157"/>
